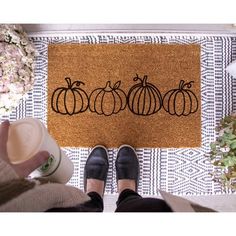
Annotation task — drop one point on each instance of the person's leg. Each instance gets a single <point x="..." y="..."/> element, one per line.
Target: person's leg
<point x="93" y="205"/>
<point x="127" y="171"/>
<point x="95" y="175"/>
<point x="131" y="201"/>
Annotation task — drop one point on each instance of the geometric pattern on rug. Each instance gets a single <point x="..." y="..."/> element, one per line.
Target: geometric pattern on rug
<point x="179" y="171"/>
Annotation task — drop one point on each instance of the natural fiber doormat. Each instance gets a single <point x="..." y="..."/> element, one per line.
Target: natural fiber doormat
<point x="143" y="95"/>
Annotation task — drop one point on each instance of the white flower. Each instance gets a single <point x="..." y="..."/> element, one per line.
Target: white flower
<point x="16" y="87"/>
<point x="14" y="39"/>
<point x="3" y="111"/>
<point x="17" y="55"/>
<point x="5" y="98"/>
<point x="23" y="42"/>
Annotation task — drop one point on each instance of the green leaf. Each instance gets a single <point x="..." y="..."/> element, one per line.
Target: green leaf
<point x="224" y="125"/>
<point x="216" y="163"/>
<point x="228" y="142"/>
<point x="233" y="145"/>
<point x="225" y="155"/>
<point x="222" y="143"/>
<point x="228" y="130"/>
<point x="213" y="146"/>
<point x="229" y="161"/>
<point x="227" y="119"/>
<point x="231" y="136"/>
<point x="226" y="162"/>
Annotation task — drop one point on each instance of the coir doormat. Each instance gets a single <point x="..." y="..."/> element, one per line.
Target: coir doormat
<point x="145" y="95"/>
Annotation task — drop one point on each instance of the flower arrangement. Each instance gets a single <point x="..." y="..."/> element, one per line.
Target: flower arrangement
<point x="17" y="56"/>
<point x="223" y="152"/>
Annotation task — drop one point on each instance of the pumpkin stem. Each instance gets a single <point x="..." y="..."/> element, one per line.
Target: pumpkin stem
<point x="145" y="80"/>
<point x="68" y="80"/>
<point x="181" y="84"/>
<point x="137" y="78"/>
<point x="108" y="86"/>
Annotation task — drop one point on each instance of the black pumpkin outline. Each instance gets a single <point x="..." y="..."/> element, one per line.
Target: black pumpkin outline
<point x="116" y="86"/>
<point x="70" y="87"/>
<point x="143" y="84"/>
<point x="182" y="84"/>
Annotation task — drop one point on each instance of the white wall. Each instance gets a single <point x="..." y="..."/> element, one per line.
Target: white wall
<point x="209" y="28"/>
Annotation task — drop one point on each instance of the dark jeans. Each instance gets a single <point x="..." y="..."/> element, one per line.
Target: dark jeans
<point x="128" y="201"/>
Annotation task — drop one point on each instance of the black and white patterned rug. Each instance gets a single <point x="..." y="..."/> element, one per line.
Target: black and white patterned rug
<point x="178" y="171"/>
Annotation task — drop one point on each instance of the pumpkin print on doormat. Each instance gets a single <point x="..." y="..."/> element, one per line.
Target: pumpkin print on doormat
<point x="69" y="100"/>
<point x="144" y="98"/>
<point x="126" y="94"/>
<point x="108" y="100"/>
<point x="181" y="101"/>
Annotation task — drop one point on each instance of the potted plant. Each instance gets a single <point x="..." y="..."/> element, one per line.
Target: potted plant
<point x="223" y="152"/>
